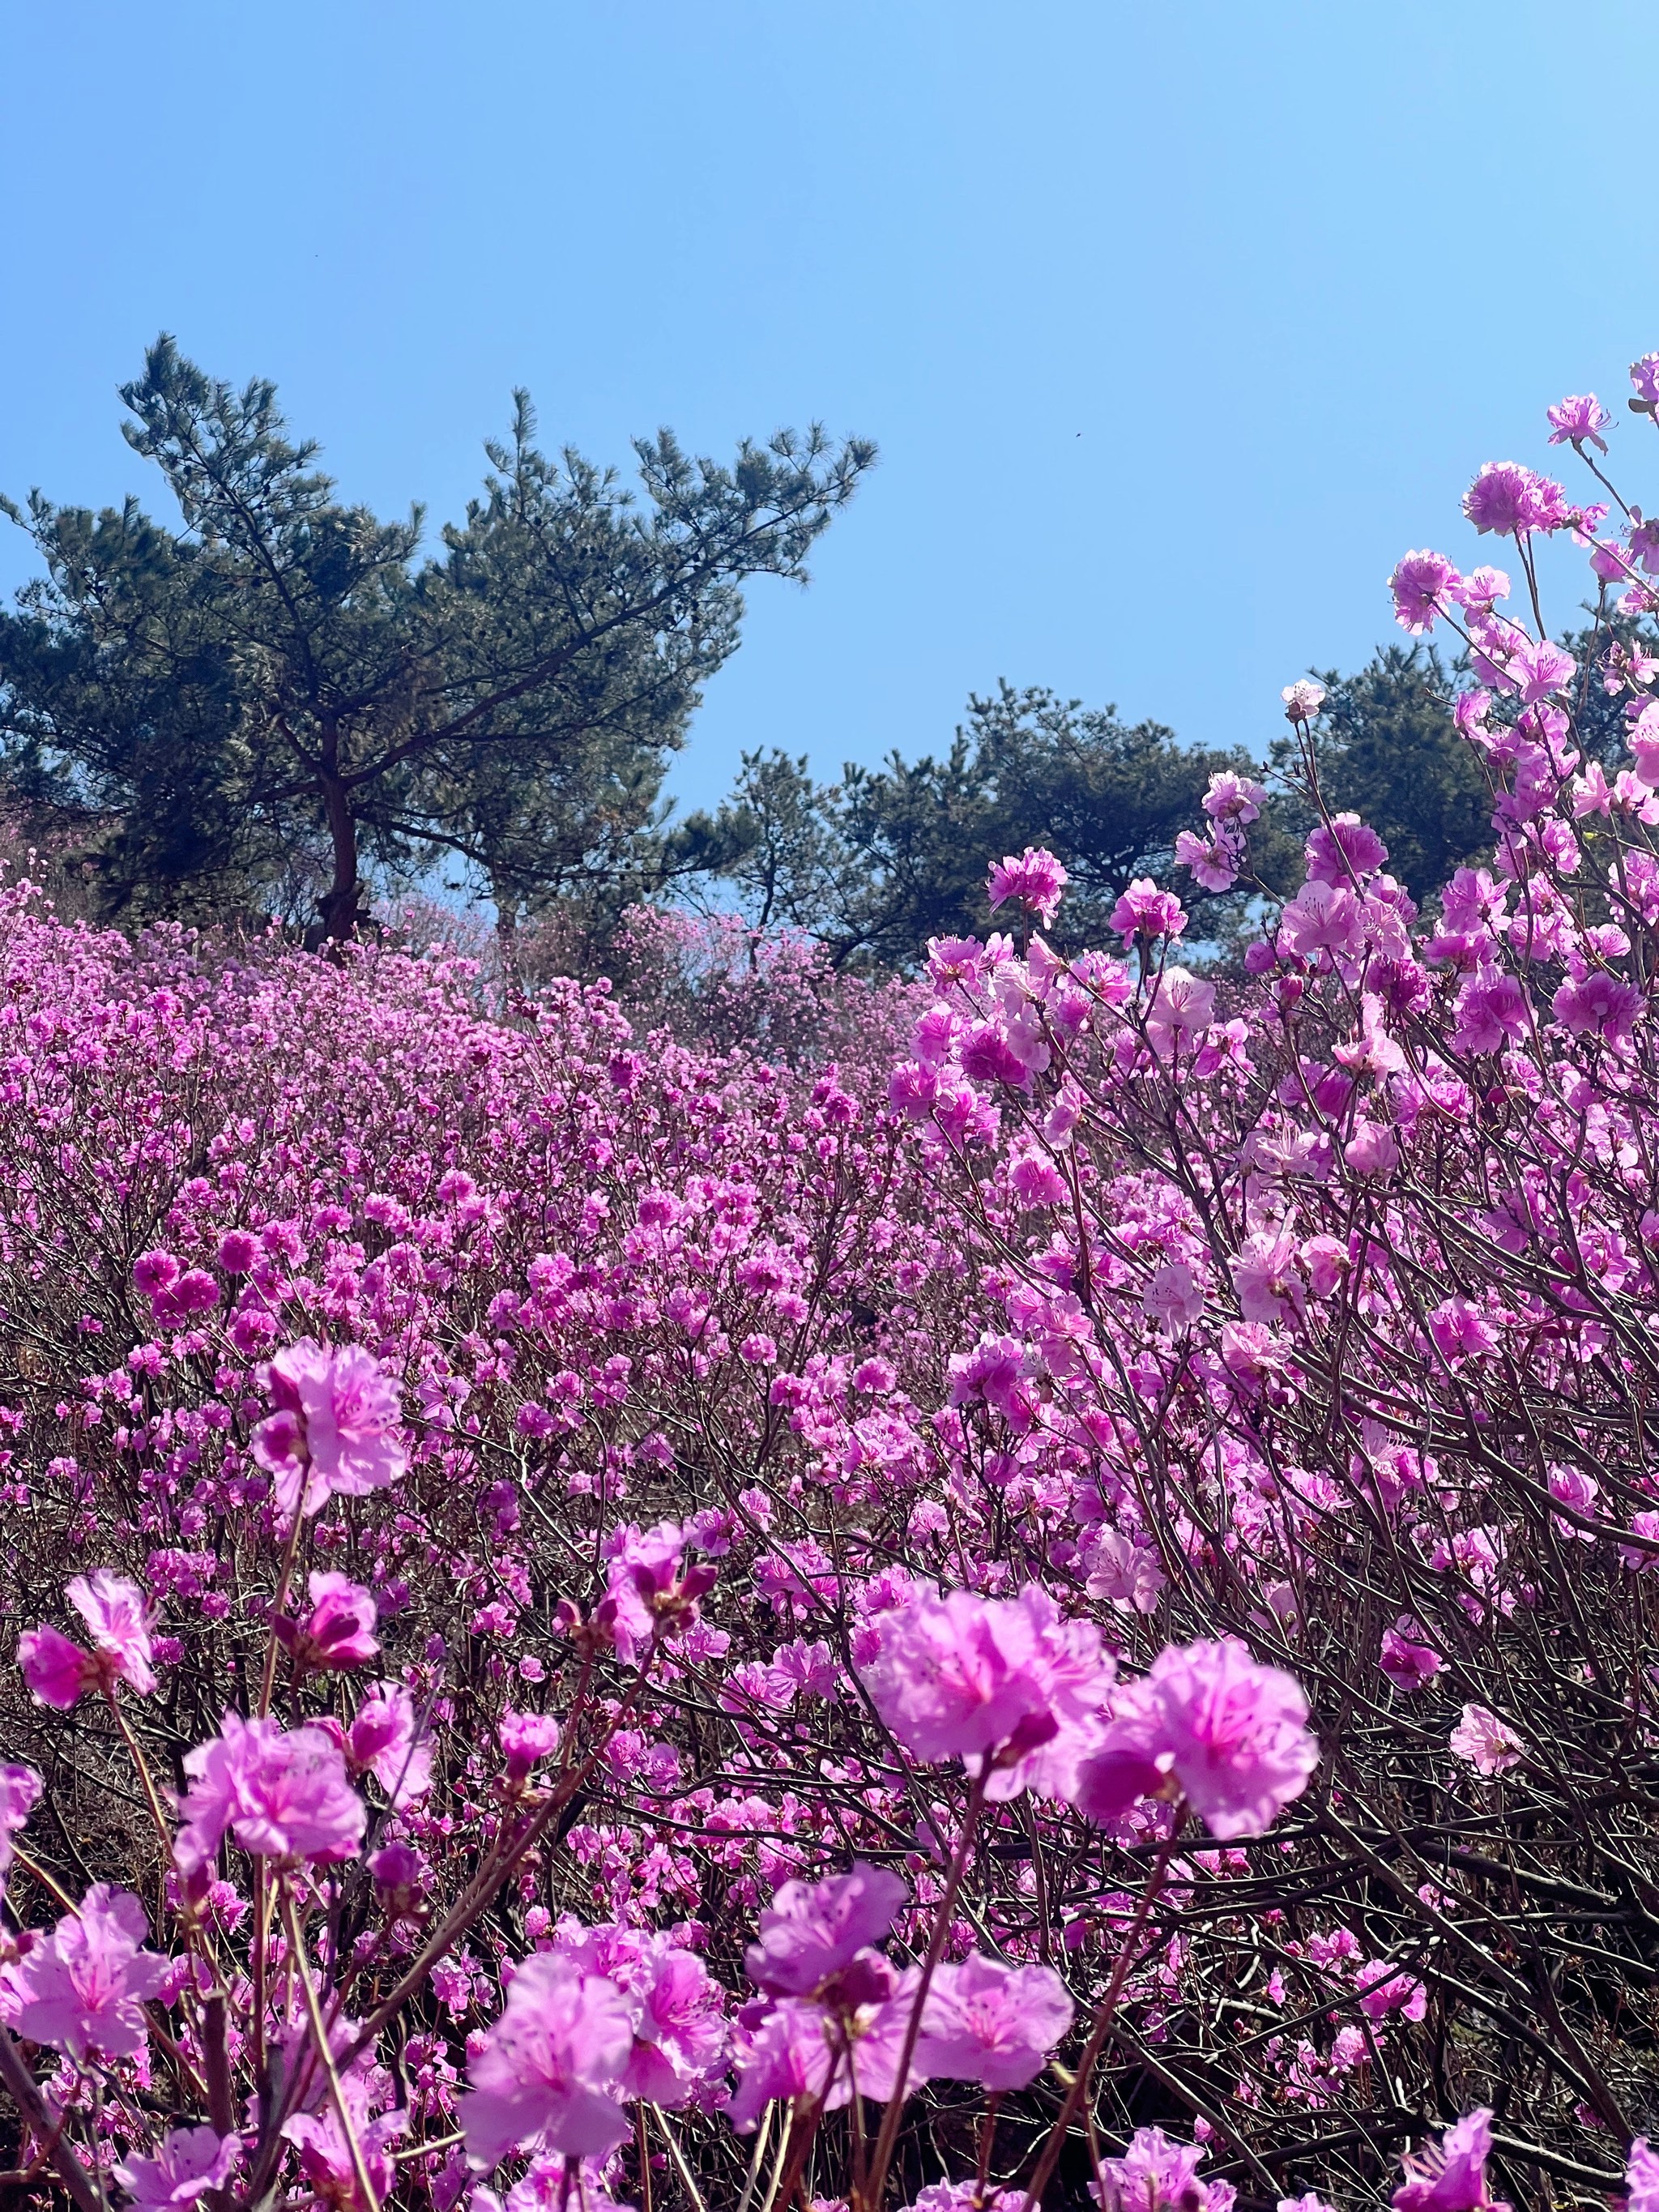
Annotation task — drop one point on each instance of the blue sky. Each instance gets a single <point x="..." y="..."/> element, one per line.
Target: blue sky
<point x="1175" y="322"/>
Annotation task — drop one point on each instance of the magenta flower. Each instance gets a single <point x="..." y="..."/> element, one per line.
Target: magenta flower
<point x="326" y="2158"/>
<point x="1342" y="850"/>
<point x="20" y="1791"/>
<point x="811" y="1930"/>
<point x="190" y="2162"/>
<point x="1156" y="2175"/>
<point x="998" y="1682"/>
<point x="800" y="2048"/>
<point x="280" y="1794"/>
<point x="84" y="1988"/>
<point x="647" y="1591"/>
<point x="677" y="2009"/>
<point x="541" y="2080"/>
<point x="994" y="2023"/>
<point x="1421" y="585"/>
<point x="1036" y="880"/>
<point x="385" y="1739"/>
<point x="1511" y="500"/>
<point x="1406" y="1660"/>
<point x="1644" y="376"/>
<point x="339" y="1629"/>
<point x="1642" y="2172"/>
<point x="1207" y="1725"/>
<point x="1383" y="1988"/>
<point x="1451" y="2175"/>
<point x="1213" y="861"/>
<point x="1578" y="419"/>
<point x="335" y="1430"/>
<point x="1144" y="911"/>
<point x="1598" y="1005"/>
<point x="59" y="1672"/>
<point x="1232" y="797"/>
<point x="1484" y="1742"/>
<point x="526" y="1739"/>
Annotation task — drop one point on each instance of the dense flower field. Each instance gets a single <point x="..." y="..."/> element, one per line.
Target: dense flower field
<point x="1069" y="1618"/>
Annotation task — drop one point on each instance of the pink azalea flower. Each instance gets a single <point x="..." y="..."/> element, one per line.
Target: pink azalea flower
<point x="811" y="1930"/>
<point x="1598" y="1005"/>
<point x="1383" y="1988"/>
<point x="335" y="1430"/>
<point x="1212" y="860"/>
<point x="1510" y="500"/>
<point x="60" y="1673"/>
<point x="1577" y="419"/>
<point x="998" y="1682"/>
<point x="325" y="2159"/>
<point x="120" y="1617"/>
<point x="677" y="2008"/>
<point x="385" y="1739"/>
<point x="542" y="2077"/>
<point x="1421" y="584"/>
<point x="1147" y="912"/>
<point x="84" y="1988"/>
<point x="1484" y="1741"/>
<point x="1406" y="1660"/>
<point x="805" y="2049"/>
<point x="526" y="1738"/>
<point x="1642" y="2177"/>
<point x="1303" y="701"/>
<point x="1644" y="375"/>
<point x="994" y="2023"/>
<point x="20" y="1791"/>
<point x="1179" y="1012"/>
<point x="1156" y="2175"/>
<point x="190" y="2162"/>
<point x="1208" y="1724"/>
<point x="339" y="1629"/>
<point x="281" y="1794"/>
<point x="1036" y="880"/>
<point x="1321" y="918"/>
<point x="1233" y="798"/>
<point x="1451" y="2175"/>
<point x="647" y="1593"/>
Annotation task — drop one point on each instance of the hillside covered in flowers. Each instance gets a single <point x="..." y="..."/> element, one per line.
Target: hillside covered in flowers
<point x="1061" y="1613"/>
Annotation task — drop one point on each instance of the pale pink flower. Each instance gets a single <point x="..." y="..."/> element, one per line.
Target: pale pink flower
<point x="1213" y="861"/>
<point x="1234" y="797"/>
<point x="1174" y="1299"/>
<point x="1036" y="880"/>
<point x="1179" y="1012"/>
<point x="541" y="2080"/>
<point x="335" y="1430"/>
<point x="84" y="1989"/>
<point x="676" y="2008"/>
<point x="1003" y="1682"/>
<point x="994" y="2023"/>
<point x="189" y="2163"/>
<point x="811" y="1930"/>
<point x="280" y="1794"/>
<point x="1303" y="701"/>
<point x="1484" y="1741"/>
<point x="1321" y="918"/>
<point x="1207" y="1725"/>
<point x="1451" y="2176"/>
<point x="339" y="1629"/>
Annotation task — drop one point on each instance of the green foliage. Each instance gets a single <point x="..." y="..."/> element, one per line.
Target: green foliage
<point x="875" y="865"/>
<point x="278" y="686"/>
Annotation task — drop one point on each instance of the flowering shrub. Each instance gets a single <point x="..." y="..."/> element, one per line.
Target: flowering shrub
<point x="1070" y="1620"/>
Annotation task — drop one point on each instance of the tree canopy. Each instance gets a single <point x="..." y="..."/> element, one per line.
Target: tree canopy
<point x="282" y="684"/>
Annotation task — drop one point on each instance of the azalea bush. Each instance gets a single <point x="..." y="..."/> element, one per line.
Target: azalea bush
<point x="1061" y="1613"/>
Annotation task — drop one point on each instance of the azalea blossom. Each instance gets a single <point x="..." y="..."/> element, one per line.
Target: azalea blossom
<point x="543" y="2076"/>
<point x="84" y="1989"/>
<point x="994" y="2023"/>
<point x="335" y="1431"/>
<point x="1484" y="1741"/>
<point x="189" y="2164"/>
<point x="280" y="1793"/>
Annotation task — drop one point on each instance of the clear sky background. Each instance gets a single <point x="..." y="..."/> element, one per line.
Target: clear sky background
<point x="1175" y="322"/>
